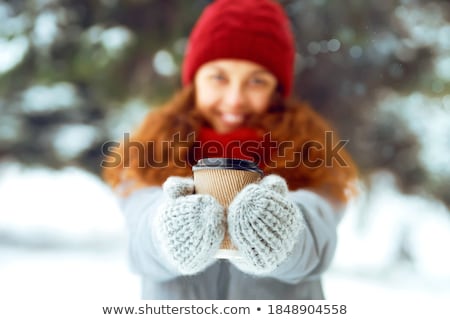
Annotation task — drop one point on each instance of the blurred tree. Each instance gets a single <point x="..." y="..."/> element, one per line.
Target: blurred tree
<point x="69" y="69"/>
<point x="352" y="51"/>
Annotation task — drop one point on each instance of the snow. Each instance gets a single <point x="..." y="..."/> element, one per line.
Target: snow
<point x="62" y="239"/>
<point x="59" y="275"/>
<point x="42" y="99"/>
<point x="71" y="140"/>
<point x="374" y="231"/>
<point x="434" y="139"/>
<point x="69" y="206"/>
<point x="12" y="53"/>
<point x="372" y="238"/>
<point x="46" y="28"/>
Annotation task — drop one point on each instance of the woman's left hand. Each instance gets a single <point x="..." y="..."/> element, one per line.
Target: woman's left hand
<point x="264" y="225"/>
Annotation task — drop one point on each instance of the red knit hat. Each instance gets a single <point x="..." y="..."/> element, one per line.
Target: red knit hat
<point x="255" y="30"/>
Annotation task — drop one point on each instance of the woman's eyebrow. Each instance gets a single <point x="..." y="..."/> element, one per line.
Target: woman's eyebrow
<point x="261" y="71"/>
<point x="215" y="68"/>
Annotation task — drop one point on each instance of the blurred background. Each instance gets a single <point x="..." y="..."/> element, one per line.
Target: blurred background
<point x="77" y="73"/>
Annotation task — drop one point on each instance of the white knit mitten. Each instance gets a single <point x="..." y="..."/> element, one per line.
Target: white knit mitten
<point x="264" y="225"/>
<point x="189" y="226"/>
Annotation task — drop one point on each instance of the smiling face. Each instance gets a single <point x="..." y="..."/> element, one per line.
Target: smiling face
<point x="228" y="92"/>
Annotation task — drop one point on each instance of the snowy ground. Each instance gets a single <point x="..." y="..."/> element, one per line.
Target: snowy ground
<point x="62" y="237"/>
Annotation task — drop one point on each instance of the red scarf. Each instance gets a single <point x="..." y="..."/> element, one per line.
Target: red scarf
<point x="243" y="143"/>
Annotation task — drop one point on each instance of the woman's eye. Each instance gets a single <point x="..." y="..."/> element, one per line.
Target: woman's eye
<point x="218" y="77"/>
<point x="258" y="81"/>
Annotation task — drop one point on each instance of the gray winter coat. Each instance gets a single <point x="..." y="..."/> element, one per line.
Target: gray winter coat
<point x="299" y="277"/>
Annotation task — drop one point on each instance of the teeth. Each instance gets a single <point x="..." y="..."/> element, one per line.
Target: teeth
<point x="233" y="118"/>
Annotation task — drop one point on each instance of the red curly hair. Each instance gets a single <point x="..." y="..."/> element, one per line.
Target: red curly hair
<point x="286" y="120"/>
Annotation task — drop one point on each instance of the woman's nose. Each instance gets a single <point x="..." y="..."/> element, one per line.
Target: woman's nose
<point x="234" y="97"/>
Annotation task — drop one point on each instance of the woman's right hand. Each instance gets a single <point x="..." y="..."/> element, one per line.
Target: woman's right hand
<point x="190" y="226"/>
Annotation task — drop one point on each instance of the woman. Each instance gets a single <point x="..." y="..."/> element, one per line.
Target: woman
<point x="237" y="79"/>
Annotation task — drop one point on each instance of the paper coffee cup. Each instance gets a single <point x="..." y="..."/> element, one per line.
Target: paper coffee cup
<point x="223" y="178"/>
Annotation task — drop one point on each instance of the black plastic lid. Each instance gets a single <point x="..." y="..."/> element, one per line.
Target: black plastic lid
<point x="227" y="163"/>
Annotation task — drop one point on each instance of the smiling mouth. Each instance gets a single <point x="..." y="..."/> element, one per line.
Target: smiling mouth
<point x="233" y="119"/>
